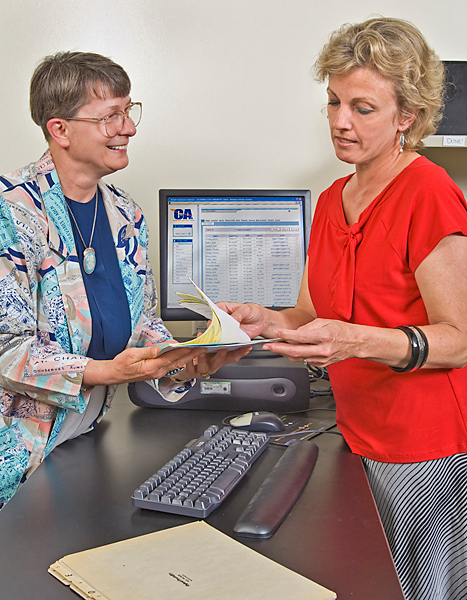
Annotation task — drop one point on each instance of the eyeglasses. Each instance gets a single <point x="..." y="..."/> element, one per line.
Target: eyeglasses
<point x="114" y="123"/>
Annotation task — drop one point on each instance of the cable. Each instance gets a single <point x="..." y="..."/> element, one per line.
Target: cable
<point x="317" y="373"/>
<point x="314" y="393"/>
<point x="279" y="434"/>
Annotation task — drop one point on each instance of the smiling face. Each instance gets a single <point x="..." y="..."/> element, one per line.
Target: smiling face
<point x="364" y="118"/>
<point x="88" y="147"/>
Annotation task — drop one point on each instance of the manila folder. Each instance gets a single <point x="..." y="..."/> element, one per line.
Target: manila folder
<point x="192" y="562"/>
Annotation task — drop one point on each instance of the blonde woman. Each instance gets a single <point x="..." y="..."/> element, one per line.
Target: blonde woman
<point x="383" y="299"/>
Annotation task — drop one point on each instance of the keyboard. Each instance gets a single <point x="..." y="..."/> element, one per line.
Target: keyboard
<point x="197" y="479"/>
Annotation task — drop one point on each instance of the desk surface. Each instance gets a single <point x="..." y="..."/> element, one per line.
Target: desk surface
<point x="80" y="498"/>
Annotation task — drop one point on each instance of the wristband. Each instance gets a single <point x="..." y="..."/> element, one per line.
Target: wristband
<point x="424" y="348"/>
<point x="419" y="346"/>
<point x="413" y="338"/>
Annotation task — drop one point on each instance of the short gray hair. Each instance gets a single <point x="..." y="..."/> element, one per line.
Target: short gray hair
<point x="62" y="83"/>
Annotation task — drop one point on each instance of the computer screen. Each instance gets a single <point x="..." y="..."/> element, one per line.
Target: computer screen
<point x="236" y="245"/>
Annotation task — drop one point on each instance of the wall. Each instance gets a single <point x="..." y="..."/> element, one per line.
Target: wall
<point x="225" y="84"/>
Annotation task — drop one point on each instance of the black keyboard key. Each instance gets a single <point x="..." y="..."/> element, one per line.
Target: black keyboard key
<point x="226" y="480"/>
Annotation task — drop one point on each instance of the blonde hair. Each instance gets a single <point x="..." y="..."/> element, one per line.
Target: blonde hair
<point x="396" y="50"/>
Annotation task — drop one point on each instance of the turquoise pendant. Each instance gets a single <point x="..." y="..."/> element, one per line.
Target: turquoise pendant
<point x="89" y="260"/>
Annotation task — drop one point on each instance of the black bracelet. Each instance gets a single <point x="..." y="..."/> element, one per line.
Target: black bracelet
<point x="414" y="359"/>
<point x="424" y="348"/>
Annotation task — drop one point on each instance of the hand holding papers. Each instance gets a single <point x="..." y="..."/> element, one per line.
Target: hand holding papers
<point x="223" y="332"/>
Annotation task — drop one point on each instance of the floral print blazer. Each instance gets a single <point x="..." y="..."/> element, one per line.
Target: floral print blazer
<point x="45" y="321"/>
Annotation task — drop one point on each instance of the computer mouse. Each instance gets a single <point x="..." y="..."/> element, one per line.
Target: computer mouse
<point x="258" y="421"/>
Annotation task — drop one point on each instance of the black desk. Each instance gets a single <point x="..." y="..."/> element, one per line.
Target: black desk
<point x="80" y="498"/>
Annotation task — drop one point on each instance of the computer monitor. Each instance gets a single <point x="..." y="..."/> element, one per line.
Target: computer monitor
<point x="236" y="245"/>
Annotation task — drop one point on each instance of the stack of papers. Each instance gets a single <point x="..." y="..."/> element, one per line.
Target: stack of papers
<point x="223" y="332"/>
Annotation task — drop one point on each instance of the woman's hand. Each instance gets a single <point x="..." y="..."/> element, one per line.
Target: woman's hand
<point x="253" y="318"/>
<point x="321" y="342"/>
<point x="206" y="364"/>
<point x="138" y="364"/>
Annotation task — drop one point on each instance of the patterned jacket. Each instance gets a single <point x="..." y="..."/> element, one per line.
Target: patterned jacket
<point x="45" y="324"/>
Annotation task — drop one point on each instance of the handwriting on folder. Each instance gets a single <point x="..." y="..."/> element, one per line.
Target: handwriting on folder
<point x="192" y="562"/>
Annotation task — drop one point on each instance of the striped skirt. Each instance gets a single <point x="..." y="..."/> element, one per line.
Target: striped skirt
<point x="423" y="508"/>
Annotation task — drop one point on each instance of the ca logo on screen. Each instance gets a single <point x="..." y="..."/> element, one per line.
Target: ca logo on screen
<point x="182" y="214"/>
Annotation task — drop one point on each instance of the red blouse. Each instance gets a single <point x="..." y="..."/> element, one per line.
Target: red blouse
<point x="365" y="274"/>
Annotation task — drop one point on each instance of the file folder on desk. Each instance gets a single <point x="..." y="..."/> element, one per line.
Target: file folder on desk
<point x="190" y="561"/>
